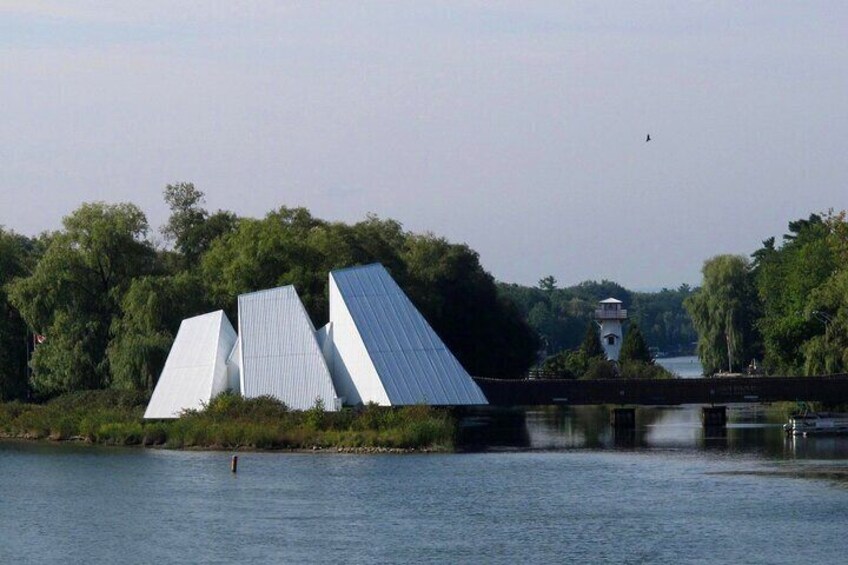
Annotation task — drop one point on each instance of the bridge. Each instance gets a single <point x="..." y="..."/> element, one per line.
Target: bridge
<point x="664" y="392"/>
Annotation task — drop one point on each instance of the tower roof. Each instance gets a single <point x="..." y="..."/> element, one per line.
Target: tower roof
<point x="611" y="301"/>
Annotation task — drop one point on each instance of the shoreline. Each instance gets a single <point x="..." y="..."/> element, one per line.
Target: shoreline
<point x="315" y="449"/>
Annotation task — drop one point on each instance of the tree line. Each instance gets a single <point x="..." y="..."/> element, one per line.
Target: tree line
<point x="560" y="315"/>
<point x="108" y="301"/>
<point x="784" y="309"/>
<point x="589" y="360"/>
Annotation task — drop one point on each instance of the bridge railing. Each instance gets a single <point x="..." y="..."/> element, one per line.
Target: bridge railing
<point x="726" y="390"/>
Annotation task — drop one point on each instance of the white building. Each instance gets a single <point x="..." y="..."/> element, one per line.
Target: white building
<point x="279" y="354"/>
<point x="610" y="316"/>
<point x="196" y="368"/>
<point x="377" y="347"/>
<point x="384" y="351"/>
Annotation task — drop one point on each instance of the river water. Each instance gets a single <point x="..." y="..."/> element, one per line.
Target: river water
<point x="553" y="486"/>
<point x="687" y="367"/>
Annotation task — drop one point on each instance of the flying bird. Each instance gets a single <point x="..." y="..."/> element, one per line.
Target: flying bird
<point x="647" y="139"/>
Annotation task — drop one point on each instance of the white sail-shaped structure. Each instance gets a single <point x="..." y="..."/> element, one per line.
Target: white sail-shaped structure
<point x="278" y="352"/>
<point x="384" y="351"/>
<point x="196" y="368"/>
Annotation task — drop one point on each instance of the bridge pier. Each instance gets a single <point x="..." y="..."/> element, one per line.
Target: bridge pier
<point x="714" y="416"/>
<point x="623" y="418"/>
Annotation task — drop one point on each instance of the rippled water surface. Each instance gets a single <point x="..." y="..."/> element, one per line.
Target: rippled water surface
<point x="687" y="367"/>
<point x="668" y="493"/>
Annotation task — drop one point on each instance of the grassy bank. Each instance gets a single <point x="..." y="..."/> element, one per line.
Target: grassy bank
<point x="228" y="422"/>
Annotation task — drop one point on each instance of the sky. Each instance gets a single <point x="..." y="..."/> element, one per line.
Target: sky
<point x="515" y="127"/>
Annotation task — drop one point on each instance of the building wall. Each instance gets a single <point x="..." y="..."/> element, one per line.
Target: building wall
<point x="196" y="368"/>
<point x="386" y="349"/>
<point x="279" y="352"/>
<point x="354" y="373"/>
<point x="612" y="327"/>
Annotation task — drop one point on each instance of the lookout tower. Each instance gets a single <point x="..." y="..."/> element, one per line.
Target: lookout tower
<point x="610" y="316"/>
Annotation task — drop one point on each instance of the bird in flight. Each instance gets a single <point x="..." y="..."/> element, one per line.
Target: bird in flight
<point x="647" y="139"/>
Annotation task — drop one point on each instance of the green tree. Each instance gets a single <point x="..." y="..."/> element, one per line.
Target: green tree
<point x="151" y="312"/>
<point x="548" y="283"/>
<point x="560" y="315"/>
<point x="786" y="277"/>
<point x="16" y="256"/>
<point x="827" y="308"/>
<point x="461" y="301"/>
<point x="724" y="312"/>
<point x="663" y="320"/>
<point x="191" y="227"/>
<point x="634" y="348"/>
<point x="75" y="292"/>
<point x="591" y="346"/>
<point x="444" y="280"/>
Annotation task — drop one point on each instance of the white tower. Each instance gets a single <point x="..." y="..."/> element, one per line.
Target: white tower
<point x="610" y="316"/>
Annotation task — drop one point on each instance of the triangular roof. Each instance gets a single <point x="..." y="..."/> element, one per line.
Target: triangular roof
<point x="386" y="350"/>
<point x="196" y="368"/>
<point x="611" y="301"/>
<point x="278" y="352"/>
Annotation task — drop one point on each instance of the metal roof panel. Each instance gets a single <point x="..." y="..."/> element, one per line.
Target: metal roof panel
<point x="412" y="362"/>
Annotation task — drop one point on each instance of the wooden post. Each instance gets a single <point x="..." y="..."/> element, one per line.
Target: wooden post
<point x="623" y="418"/>
<point x="234" y="464"/>
<point x="714" y="416"/>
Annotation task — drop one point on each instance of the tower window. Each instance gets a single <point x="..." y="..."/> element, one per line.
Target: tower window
<point x="611" y="340"/>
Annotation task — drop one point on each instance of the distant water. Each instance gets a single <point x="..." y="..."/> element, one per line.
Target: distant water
<point x="665" y="494"/>
<point x="687" y="367"/>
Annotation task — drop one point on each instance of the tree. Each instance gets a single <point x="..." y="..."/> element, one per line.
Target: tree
<point x="786" y="277"/>
<point x="548" y="283"/>
<point x="444" y="280"/>
<point x="460" y="300"/>
<point x="191" y="227"/>
<point x="663" y="320"/>
<point x="634" y="348"/>
<point x="827" y="308"/>
<point x="16" y="257"/>
<point x="151" y="312"/>
<point x="724" y="312"/>
<point x="591" y="346"/>
<point x="75" y="291"/>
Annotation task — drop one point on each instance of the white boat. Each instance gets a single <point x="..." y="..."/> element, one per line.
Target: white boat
<point x="816" y="423"/>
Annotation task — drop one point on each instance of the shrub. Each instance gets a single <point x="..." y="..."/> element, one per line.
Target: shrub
<point x="600" y="369"/>
<point x="120" y="433"/>
<point x="154" y="434"/>
<point x="640" y="370"/>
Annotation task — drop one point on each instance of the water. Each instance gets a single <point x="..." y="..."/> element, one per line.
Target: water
<point x="687" y="367"/>
<point x="670" y="493"/>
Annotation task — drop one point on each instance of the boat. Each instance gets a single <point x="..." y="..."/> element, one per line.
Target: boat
<point x="809" y="423"/>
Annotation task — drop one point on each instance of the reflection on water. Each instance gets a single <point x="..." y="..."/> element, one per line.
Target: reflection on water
<point x="666" y="492"/>
<point x="754" y="428"/>
<point x="687" y="367"/>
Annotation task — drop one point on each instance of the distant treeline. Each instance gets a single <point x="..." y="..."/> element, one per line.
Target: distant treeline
<point x="104" y="302"/>
<point x="785" y="308"/>
<point x="560" y="315"/>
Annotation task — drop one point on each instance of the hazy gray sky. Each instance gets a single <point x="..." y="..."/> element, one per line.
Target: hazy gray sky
<point x="518" y="128"/>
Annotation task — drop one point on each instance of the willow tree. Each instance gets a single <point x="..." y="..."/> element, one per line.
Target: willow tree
<point x="16" y="255"/>
<point x="75" y="291"/>
<point x="724" y="312"/>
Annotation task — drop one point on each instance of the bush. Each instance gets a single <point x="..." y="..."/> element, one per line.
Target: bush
<point x="640" y="370"/>
<point x="120" y="433"/>
<point x="228" y="421"/>
<point x="600" y="369"/>
<point x="154" y="434"/>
